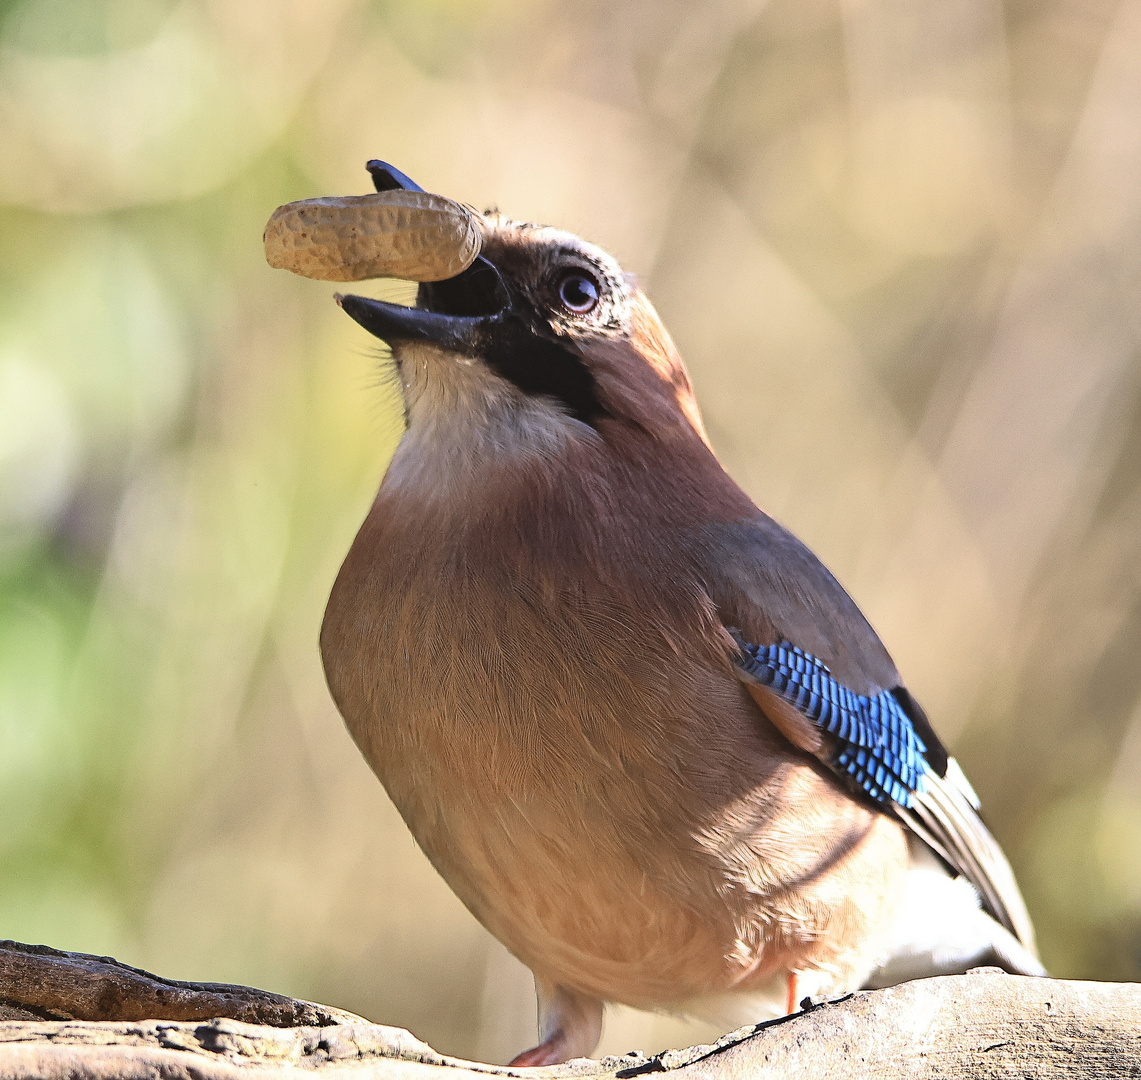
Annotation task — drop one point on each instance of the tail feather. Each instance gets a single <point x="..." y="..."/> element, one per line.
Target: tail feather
<point x="945" y="815"/>
<point x="941" y="930"/>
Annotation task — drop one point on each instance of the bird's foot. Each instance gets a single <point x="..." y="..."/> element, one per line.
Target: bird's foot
<point x="551" y="1051"/>
<point x="571" y="1025"/>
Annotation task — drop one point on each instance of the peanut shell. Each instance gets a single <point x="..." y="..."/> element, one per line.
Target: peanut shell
<point x="411" y="235"/>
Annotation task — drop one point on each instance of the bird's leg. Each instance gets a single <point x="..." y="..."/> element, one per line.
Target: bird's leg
<point x="791" y="1006"/>
<point x="570" y="1025"/>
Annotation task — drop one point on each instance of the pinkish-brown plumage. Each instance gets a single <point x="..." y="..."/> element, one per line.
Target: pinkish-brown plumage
<point x="529" y="641"/>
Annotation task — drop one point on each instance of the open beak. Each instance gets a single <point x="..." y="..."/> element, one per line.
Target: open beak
<point x="458" y="314"/>
<point x="394" y="322"/>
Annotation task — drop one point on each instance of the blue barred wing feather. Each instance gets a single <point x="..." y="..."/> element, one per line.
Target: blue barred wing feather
<point x="874" y="740"/>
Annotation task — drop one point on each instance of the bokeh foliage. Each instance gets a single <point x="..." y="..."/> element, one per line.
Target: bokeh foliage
<point x="899" y="243"/>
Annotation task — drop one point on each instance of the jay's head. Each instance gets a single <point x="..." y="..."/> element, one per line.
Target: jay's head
<point x="542" y="332"/>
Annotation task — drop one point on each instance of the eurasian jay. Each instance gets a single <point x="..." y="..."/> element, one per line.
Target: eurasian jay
<point x="642" y="732"/>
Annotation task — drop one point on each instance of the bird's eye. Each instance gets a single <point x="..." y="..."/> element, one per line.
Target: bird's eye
<point x="578" y="292"/>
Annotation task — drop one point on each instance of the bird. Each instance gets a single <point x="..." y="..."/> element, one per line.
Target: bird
<point x="637" y="726"/>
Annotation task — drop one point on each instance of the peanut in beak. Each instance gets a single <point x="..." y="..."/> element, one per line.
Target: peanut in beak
<point x="412" y="235"/>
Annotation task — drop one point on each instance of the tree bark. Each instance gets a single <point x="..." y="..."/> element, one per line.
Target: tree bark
<point x="40" y="983"/>
<point x="72" y="1015"/>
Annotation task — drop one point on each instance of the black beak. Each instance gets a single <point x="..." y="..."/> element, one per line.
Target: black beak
<point x="387" y="177"/>
<point x="394" y="322"/>
<point x="459" y="314"/>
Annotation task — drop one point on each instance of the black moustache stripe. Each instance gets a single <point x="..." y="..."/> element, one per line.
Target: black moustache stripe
<point x="544" y="368"/>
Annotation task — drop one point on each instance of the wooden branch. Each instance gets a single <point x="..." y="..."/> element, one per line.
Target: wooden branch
<point x="38" y="983"/>
<point x="132" y="1024"/>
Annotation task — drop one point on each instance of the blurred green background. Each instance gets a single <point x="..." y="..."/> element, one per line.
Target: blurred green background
<point x="899" y="243"/>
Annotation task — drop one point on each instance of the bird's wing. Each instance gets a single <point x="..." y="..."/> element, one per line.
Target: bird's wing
<point x="884" y="746"/>
<point x="826" y="682"/>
